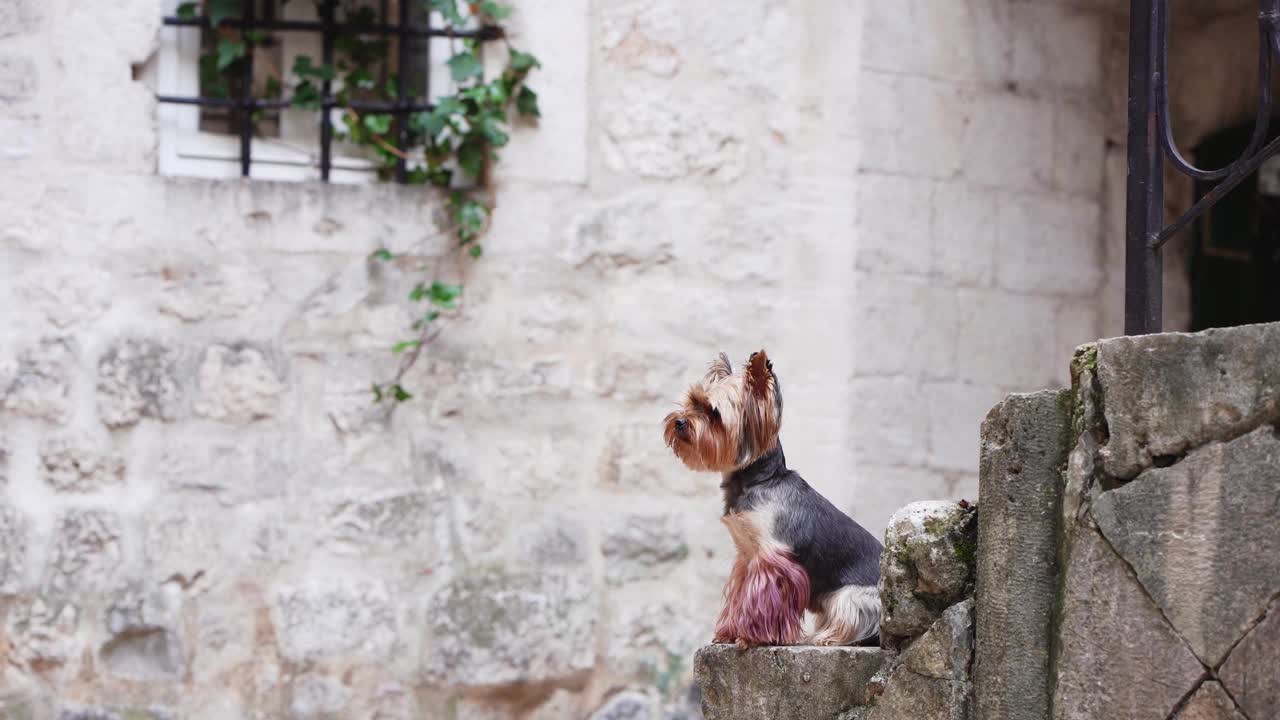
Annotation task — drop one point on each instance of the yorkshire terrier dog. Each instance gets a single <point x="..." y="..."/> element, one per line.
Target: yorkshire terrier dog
<point x="795" y="550"/>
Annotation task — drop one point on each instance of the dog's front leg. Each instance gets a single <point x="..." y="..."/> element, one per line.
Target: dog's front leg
<point x="765" y="600"/>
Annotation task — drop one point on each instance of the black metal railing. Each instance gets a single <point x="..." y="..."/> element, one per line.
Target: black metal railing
<point x="329" y="28"/>
<point x="1151" y="144"/>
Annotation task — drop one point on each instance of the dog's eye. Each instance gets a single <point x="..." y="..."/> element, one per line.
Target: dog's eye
<point x="715" y="414"/>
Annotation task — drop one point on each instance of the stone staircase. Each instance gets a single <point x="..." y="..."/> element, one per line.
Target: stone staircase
<point x="1125" y="561"/>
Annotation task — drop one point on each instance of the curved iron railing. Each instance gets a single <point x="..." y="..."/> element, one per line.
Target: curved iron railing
<point x="1151" y="143"/>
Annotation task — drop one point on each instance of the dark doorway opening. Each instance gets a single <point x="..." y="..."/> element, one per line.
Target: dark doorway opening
<point x="1235" y="262"/>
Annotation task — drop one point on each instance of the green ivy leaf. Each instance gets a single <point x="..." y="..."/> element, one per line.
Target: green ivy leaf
<point x="381" y="254"/>
<point x="449" y="106"/>
<point x="405" y="345"/>
<point x="494" y="10"/>
<point x="220" y="10"/>
<point x="377" y="393"/>
<point x="444" y="295"/>
<point x="392" y="88"/>
<point x="448" y="9"/>
<point x="306" y="96"/>
<point x="303" y="68"/>
<point x="186" y="10"/>
<point x="464" y="66"/>
<point x="476" y="251"/>
<point x="399" y="393"/>
<point x="212" y="82"/>
<point x="378" y="124"/>
<point x="428" y="123"/>
<point x="523" y="62"/>
<point x="361" y="78"/>
<point x="271" y="88"/>
<point x="229" y="51"/>
<point x="418" y="292"/>
<point x="527" y="103"/>
<point x="257" y="37"/>
<point x="471" y="156"/>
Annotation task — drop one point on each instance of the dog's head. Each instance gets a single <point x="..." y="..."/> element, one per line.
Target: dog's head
<point x="726" y="421"/>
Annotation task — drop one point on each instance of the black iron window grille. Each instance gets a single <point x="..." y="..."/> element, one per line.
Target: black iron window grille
<point x="254" y="20"/>
<point x="1151" y="144"/>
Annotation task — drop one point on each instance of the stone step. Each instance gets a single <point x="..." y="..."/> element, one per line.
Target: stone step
<point x="783" y="683"/>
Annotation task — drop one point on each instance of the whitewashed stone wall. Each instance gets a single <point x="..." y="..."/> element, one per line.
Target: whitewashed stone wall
<point x="199" y="516"/>
<point x="979" y="253"/>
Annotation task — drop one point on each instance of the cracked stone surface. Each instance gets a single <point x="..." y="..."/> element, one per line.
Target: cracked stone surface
<point x="1118" y="657"/>
<point x="1164" y="394"/>
<point x="1202" y="538"/>
<point x="1210" y="702"/>
<point x="1252" y="672"/>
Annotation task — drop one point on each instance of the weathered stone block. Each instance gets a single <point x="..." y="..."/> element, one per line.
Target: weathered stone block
<point x="655" y="638"/>
<point x="80" y="463"/>
<point x="333" y="619"/>
<point x="624" y="233"/>
<point x="86" y="551"/>
<point x="945" y="651"/>
<point x="144" y="642"/>
<point x="1201" y="536"/>
<point x="238" y="384"/>
<point x="1025" y="440"/>
<point x="40" y="387"/>
<point x="42" y="637"/>
<point x="783" y="683"/>
<point x="1210" y="702"/>
<point x="232" y="472"/>
<point x="194" y="293"/>
<point x="71" y="295"/>
<point x="654" y="135"/>
<point x="911" y="696"/>
<point x="1117" y="656"/>
<point x="930" y="679"/>
<point x="138" y="379"/>
<point x="495" y="628"/>
<point x="13" y="549"/>
<point x="927" y="564"/>
<point x="1251" y="671"/>
<point x="643" y="546"/>
<point x="359" y="522"/>
<point x="316" y="696"/>
<point x="1165" y="394"/>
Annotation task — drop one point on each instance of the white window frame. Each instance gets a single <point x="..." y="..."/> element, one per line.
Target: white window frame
<point x="186" y="151"/>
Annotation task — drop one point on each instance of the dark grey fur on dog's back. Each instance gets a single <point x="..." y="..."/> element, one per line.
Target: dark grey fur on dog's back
<point x="832" y="548"/>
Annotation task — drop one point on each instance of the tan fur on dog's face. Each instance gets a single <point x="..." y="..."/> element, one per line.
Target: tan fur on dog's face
<point x="727" y="421"/>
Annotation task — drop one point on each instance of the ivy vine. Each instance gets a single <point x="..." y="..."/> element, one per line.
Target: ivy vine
<point x="449" y="147"/>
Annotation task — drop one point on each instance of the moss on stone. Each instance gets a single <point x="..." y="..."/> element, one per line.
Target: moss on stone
<point x="966" y="550"/>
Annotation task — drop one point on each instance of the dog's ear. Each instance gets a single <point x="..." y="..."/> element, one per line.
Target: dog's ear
<point x="719" y="368"/>
<point x="761" y="405"/>
<point x="759" y="374"/>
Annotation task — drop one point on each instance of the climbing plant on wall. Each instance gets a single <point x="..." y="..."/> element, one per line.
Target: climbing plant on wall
<point x="449" y="147"/>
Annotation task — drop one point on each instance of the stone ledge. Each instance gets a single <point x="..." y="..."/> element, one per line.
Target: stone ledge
<point x="781" y="683"/>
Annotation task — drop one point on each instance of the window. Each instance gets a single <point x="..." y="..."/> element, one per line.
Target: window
<point x="1235" y="262"/>
<point x="271" y="93"/>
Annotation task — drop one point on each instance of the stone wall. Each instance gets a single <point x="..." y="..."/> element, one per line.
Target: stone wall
<point x="199" y="515"/>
